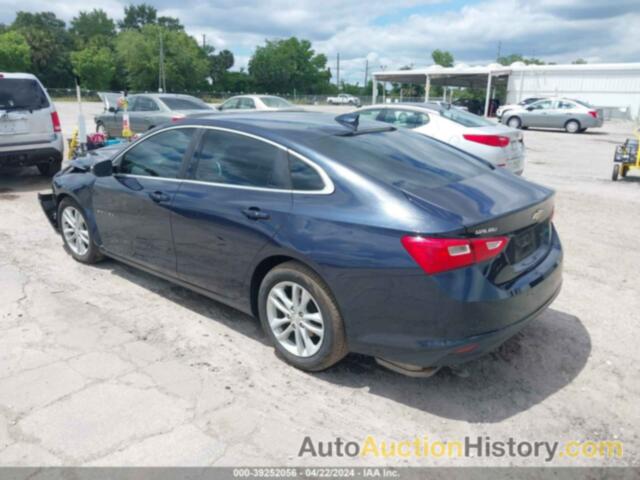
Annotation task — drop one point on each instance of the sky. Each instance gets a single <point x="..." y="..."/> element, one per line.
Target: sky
<point x="390" y="34"/>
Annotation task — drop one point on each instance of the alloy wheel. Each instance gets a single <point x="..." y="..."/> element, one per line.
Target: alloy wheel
<point x="75" y="231"/>
<point x="295" y="319"/>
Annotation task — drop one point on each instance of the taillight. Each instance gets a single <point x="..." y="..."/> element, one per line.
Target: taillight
<point x="178" y="116"/>
<point x="491" y="140"/>
<point x="55" y="120"/>
<point x="593" y="113"/>
<point x="436" y="255"/>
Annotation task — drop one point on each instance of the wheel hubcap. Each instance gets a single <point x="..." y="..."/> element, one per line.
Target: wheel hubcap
<point x="295" y="319"/>
<point x="75" y="231"/>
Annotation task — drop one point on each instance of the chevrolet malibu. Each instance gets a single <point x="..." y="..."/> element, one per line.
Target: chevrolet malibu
<point x="339" y="235"/>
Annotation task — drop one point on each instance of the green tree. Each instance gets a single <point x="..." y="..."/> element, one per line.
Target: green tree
<point x="15" y="54"/>
<point x="50" y="45"/>
<point x="442" y="57"/>
<point x="516" y="57"/>
<point x="137" y="16"/>
<point x="287" y="65"/>
<point x="579" y="61"/>
<point x="95" y="66"/>
<point x="186" y="66"/>
<point x="219" y="64"/>
<point x="171" y="23"/>
<point x="89" y="25"/>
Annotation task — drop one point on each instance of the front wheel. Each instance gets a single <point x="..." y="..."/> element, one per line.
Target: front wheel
<point x="301" y="317"/>
<point x="514" y="122"/>
<point x="615" y="173"/>
<point x="76" y="234"/>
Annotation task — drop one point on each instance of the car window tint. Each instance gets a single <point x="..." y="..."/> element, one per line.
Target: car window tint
<point x="369" y="114"/>
<point x="176" y="103"/>
<point x="160" y="155"/>
<point x="543" y="105"/>
<point x="132" y="105"/>
<point x="304" y="176"/>
<point x="144" y="104"/>
<point x="17" y="93"/>
<point x="232" y="103"/>
<point x="466" y="119"/>
<point x="564" y="104"/>
<point x="402" y="159"/>
<point x="275" y="102"/>
<point x="405" y="118"/>
<point x="247" y="104"/>
<point x="235" y="159"/>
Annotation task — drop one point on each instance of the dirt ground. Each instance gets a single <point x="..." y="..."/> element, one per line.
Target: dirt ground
<point x="106" y="365"/>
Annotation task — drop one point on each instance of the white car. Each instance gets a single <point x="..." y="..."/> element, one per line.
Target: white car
<point x="30" y="131"/>
<point x="344" y="99"/>
<point x="498" y="144"/>
<point x="505" y="108"/>
<point x="256" y="102"/>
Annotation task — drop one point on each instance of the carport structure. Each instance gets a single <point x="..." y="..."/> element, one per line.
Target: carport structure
<point x="459" y="76"/>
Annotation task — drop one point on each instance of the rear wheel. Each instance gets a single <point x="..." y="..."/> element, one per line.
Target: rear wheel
<point x="49" y="169"/>
<point x="615" y="173"/>
<point x="76" y="234"/>
<point x="514" y="122"/>
<point x="300" y="316"/>
<point x="572" y="126"/>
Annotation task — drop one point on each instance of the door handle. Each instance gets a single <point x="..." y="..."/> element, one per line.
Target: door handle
<point x="254" y="213"/>
<point x="159" y="197"/>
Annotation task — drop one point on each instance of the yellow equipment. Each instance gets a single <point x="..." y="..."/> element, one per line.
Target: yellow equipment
<point x="627" y="157"/>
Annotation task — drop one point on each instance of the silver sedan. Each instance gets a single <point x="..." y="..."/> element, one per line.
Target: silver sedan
<point x="571" y="115"/>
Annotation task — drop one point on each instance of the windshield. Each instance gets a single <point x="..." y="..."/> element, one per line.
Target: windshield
<point x="275" y="102"/>
<point x="465" y="118"/>
<point x="21" y="93"/>
<point x="176" y="103"/>
<point x="400" y="158"/>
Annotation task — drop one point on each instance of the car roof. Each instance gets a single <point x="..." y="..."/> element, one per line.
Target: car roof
<point x="25" y="76"/>
<point x="286" y="127"/>
<point x="430" y="106"/>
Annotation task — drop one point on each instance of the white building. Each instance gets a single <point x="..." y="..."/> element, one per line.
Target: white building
<point x="613" y="86"/>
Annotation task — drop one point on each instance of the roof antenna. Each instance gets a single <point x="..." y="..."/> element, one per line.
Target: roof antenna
<point x="349" y="120"/>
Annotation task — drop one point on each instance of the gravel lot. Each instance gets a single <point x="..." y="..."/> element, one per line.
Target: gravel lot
<point x="106" y="365"/>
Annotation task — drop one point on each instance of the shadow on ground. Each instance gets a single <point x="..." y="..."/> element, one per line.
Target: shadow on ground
<point x="20" y="180"/>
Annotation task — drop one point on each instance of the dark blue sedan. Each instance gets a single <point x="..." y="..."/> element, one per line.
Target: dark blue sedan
<point x="341" y="237"/>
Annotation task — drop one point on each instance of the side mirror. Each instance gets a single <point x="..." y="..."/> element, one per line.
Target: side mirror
<point x="112" y="109"/>
<point x="530" y="109"/>
<point x="103" y="168"/>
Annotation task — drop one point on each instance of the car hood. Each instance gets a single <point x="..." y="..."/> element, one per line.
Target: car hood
<point x="480" y="199"/>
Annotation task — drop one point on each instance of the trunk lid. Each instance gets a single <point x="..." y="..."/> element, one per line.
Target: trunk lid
<point x="25" y="113"/>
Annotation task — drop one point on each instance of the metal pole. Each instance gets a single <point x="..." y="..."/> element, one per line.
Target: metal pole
<point x="488" y="97"/>
<point x="338" y="70"/>
<point x="427" y="87"/>
<point x="374" y="91"/>
<point x="366" y="72"/>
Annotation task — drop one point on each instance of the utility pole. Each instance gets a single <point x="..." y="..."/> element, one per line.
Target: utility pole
<point x="338" y="71"/>
<point x="162" y="81"/>
<point x="204" y="41"/>
<point x="499" y="50"/>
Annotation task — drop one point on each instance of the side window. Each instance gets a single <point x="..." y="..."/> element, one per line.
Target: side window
<point x="405" y="118"/>
<point x="159" y="155"/>
<point x="230" y="104"/>
<point x="303" y="176"/>
<point x="235" y="159"/>
<point x="370" y="114"/>
<point x="133" y="104"/>
<point x="544" y="105"/>
<point x="145" y="104"/>
<point x="247" y="104"/>
<point x="566" y="105"/>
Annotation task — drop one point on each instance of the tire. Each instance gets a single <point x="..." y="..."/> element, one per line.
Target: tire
<point x="50" y="169"/>
<point x="321" y="351"/>
<point x="572" y="126"/>
<point x="616" y="171"/>
<point x="514" y="122"/>
<point x="69" y="213"/>
<point x="624" y="171"/>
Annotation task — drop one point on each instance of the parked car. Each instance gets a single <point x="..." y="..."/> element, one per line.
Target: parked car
<point x="256" y="102"/>
<point x="340" y="236"/>
<point x="146" y="111"/>
<point x="573" y="116"/>
<point x="30" y="133"/>
<point x="470" y="105"/>
<point x="344" y="99"/>
<point x="502" y="146"/>
<point x="505" y="108"/>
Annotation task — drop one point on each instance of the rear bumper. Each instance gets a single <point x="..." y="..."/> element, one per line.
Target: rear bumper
<point x="27" y="158"/>
<point x="449" y="318"/>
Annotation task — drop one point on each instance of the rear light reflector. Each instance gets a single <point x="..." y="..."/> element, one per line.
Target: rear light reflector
<point x="593" y="113"/>
<point x="490" y="140"/>
<point x="55" y="120"/>
<point x="436" y="255"/>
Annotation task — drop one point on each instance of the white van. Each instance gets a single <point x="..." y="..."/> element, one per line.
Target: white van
<point x="29" y="125"/>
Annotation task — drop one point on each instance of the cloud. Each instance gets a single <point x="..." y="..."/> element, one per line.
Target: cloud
<point x="404" y="32"/>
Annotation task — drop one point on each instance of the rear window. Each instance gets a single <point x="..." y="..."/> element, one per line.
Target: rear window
<point x="584" y="104"/>
<point x="465" y="118"/>
<point x="275" y="102"/>
<point x="403" y="159"/>
<point x="184" y="104"/>
<point x="21" y="93"/>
